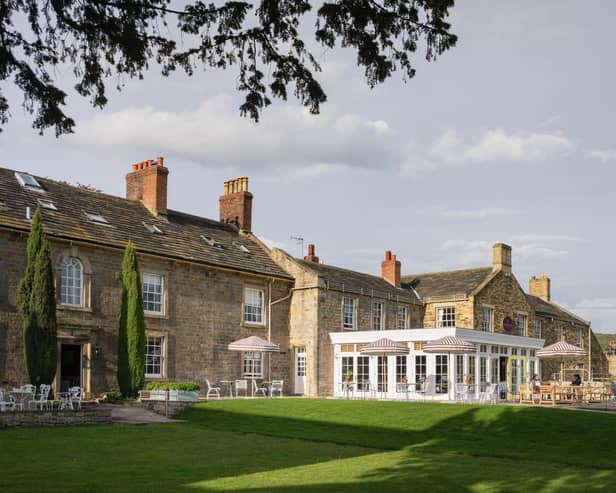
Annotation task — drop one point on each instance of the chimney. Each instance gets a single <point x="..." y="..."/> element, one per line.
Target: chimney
<point x="501" y="259"/>
<point x="540" y="287"/>
<point x="236" y="203"/>
<point x="311" y="257"/>
<point x="148" y="183"/>
<point x="390" y="269"/>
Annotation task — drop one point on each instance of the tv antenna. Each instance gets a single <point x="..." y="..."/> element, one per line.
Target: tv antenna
<point x="300" y="241"/>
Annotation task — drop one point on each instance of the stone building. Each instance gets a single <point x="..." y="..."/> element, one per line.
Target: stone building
<point x="327" y="298"/>
<point x="205" y="283"/>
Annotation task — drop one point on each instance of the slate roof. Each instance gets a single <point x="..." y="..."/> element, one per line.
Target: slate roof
<point x="180" y="238"/>
<point x="447" y="284"/>
<point x="358" y="282"/>
<point x="551" y="309"/>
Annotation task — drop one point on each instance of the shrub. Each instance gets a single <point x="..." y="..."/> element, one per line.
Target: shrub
<point x="187" y="386"/>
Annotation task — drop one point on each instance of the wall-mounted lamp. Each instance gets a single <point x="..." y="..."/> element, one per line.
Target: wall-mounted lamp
<point x="97" y="351"/>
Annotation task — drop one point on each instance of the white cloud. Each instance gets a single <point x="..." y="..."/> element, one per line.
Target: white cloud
<point x="274" y="244"/>
<point x="548" y="238"/>
<point x="213" y="134"/>
<point x="604" y="155"/>
<point x="477" y="213"/>
<point x="601" y="312"/>
<point x="492" y="146"/>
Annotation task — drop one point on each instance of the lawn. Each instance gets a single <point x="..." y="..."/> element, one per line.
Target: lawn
<point x="304" y="445"/>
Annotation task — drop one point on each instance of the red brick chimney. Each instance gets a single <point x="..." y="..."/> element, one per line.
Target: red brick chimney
<point x="390" y="269"/>
<point x="148" y="183"/>
<point x="311" y="257"/>
<point x="236" y="203"/>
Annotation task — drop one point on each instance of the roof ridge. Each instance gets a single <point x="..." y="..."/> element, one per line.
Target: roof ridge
<point x="455" y="271"/>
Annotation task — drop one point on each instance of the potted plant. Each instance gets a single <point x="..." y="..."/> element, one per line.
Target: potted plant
<point x="348" y="376"/>
<point x="467" y="379"/>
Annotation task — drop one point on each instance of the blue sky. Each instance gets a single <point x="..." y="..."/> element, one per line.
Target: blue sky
<point x="508" y="137"/>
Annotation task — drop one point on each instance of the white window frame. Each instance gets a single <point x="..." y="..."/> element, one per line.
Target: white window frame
<point x="378" y="315"/>
<point x="487" y="325"/>
<point x="153" y="293"/>
<point x="445" y="316"/>
<point x="252" y="365"/>
<point x="580" y="337"/>
<point x="538" y="328"/>
<point x="525" y="325"/>
<point x="402" y="317"/>
<point x="560" y="333"/>
<point x="149" y="345"/>
<point x="254" y="314"/>
<point x="64" y="278"/>
<point x="345" y="312"/>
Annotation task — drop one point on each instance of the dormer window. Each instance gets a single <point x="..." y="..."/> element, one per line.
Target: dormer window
<point x="211" y="241"/>
<point x="152" y="228"/>
<point x="240" y="247"/>
<point x="28" y="182"/>
<point x="47" y="204"/>
<point x="96" y="218"/>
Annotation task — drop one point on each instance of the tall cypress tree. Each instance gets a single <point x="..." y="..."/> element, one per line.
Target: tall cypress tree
<point x="131" y="333"/>
<point x="37" y="305"/>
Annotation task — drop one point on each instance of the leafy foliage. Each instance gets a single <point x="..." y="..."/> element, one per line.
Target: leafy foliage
<point x="37" y="305"/>
<point x="131" y="333"/>
<point x="104" y="38"/>
<point x="187" y="386"/>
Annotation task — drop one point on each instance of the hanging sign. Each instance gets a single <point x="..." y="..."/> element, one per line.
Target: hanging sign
<point x="508" y="324"/>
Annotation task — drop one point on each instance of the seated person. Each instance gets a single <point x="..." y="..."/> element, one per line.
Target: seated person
<point x="535" y="382"/>
<point x="577" y="380"/>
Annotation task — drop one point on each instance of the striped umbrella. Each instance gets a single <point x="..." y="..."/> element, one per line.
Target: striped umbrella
<point x="561" y="351"/>
<point x="385" y="346"/>
<point x="449" y="345"/>
<point x="254" y="344"/>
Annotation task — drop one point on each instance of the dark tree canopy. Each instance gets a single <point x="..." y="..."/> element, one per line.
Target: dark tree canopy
<point x="262" y="41"/>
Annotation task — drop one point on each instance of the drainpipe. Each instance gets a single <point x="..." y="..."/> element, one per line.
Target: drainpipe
<point x="590" y="375"/>
<point x="269" y="319"/>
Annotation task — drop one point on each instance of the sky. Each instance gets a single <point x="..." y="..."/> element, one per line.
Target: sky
<point x="508" y="137"/>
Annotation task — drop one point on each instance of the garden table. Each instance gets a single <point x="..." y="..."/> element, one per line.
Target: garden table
<point x="21" y="396"/>
<point x="228" y="383"/>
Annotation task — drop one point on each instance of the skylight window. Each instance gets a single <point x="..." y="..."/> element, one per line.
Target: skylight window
<point x="96" y="218"/>
<point x="47" y="204"/>
<point x="28" y="182"/>
<point x="152" y="228"/>
<point x="211" y="241"/>
<point x="241" y="247"/>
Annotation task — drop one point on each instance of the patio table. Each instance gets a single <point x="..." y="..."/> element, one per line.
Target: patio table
<point x="21" y="396"/>
<point x="64" y="398"/>
<point x="228" y="383"/>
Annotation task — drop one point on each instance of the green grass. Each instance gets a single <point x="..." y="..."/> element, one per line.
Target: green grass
<point x="306" y="446"/>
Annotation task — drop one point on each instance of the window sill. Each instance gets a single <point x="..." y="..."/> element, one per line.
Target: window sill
<point x="71" y="308"/>
<point x="162" y="316"/>
<point x="253" y="325"/>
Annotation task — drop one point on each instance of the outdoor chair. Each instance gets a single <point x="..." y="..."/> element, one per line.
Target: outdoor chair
<point x="211" y="390"/>
<point x="6" y="405"/>
<point x="420" y="389"/>
<point x="75" y="395"/>
<point x="460" y="392"/>
<point x="29" y="388"/>
<point x="488" y="394"/>
<point x="256" y="390"/>
<point x="502" y="391"/>
<point x="42" y="401"/>
<point x="241" y="385"/>
<point x="277" y="386"/>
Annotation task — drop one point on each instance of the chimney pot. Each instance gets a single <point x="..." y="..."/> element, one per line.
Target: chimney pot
<point x="236" y="203"/>
<point x="148" y="184"/>
<point x="391" y="269"/>
<point x="311" y="257"/>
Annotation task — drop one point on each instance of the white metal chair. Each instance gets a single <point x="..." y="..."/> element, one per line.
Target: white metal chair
<point x="8" y="405"/>
<point x="488" y="394"/>
<point x="28" y="388"/>
<point x="241" y="385"/>
<point x="256" y="390"/>
<point x="42" y="401"/>
<point x="75" y="396"/>
<point x="211" y="390"/>
<point x="460" y="392"/>
<point x="276" y="386"/>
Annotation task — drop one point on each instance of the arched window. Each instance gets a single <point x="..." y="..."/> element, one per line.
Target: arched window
<point x="71" y="283"/>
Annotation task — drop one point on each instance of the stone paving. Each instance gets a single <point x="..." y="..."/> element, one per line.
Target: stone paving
<point x="137" y="415"/>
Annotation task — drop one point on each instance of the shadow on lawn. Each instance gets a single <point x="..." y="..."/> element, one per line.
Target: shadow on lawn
<point x="516" y="449"/>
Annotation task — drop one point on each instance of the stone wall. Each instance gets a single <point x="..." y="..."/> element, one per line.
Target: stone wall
<point x="203" y="314"/>
<point x="464" y="312"/>
<point x="35" y="419"/>
<point x="169" y="409"/>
